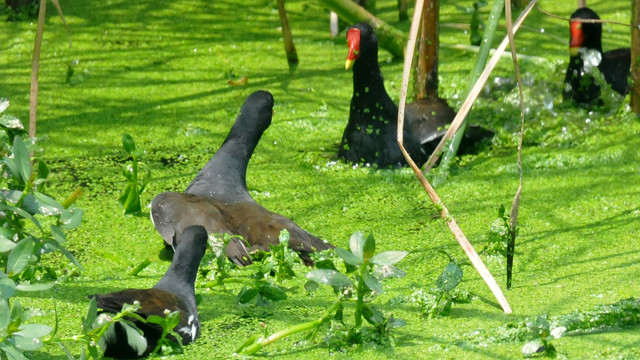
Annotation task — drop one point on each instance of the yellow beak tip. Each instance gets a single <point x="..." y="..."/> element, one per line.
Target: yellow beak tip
<point x="348" y="64"/>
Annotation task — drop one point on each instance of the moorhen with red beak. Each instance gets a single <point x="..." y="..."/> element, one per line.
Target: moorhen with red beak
<point x="370" y="134"/>
<point x="585" y="48"/>
<point x="174" y="292"/>
<point x="218" y="198"/>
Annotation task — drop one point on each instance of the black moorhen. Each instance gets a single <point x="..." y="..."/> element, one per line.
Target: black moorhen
<point x="174" y="292"/>
<point x="370" y="134"/>
<point x="585" y="48"/>
<point x="218" y="198"/>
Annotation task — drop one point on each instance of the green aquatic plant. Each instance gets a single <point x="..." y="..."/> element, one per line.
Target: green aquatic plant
<point x="366" y="271"/>
<point x="138" y="175"/>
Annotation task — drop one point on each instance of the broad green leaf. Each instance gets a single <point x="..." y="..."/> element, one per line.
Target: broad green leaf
<point x="372" y="283"/>
<point x="356" y="244"/>
<point x="369" y="247"/>
<point x="43" y="170"/>
<point x="11" y="352"/>
<point x="533" y="348"/>
<point x="311" y="286"/>
<point x="22" y="213"/>
<point x="7" y="288"/>
<point x="6" y="244"/>
<point x="330" y="277"/>
<point x="34" y="287"/>
<point x="450" y="277"/>
<point x="128" y="143"/>
<point x="134" y="337"/>
<point x="47" y="205"/>
<point x="348" y="257"/>
<point x="325" y="264"/>
<point x="389" y="257"/>
<point x="4" y="314"/>
<point x="28" y="338"/>
<point x="155" y="319"/>
<point x="372" y="315"/>
<point x="246" y="295"/>
<point x="4" y="104"/>
<point x="70" y="218"/>
<point x="11" y="122"/>
<point x="13" y="167"/>
<point x="92" y="313"/>
<point x="65" y="252"/>
<point x="22" y="158"/>
<point x="283" y="238"/>
<point x="20" y="255"/>
<point x="382" y="272"/>
<point x="58" y="234"/>
<point x="272" y="292"/>
<point x="395" y="322"/>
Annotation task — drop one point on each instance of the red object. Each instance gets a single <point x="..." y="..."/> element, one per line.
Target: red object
<point x="577" y="38"/>
<point x="353" y="42"/>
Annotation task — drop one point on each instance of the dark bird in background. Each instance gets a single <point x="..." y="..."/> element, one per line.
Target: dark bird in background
<point x="218" y="198"/>
<point x="370" y="134"/>
<point x="174" y="292"/>
<point x="585" y="48"/>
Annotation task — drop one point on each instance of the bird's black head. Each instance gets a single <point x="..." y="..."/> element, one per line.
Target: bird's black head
<point x="362" y="43"/>
<point x="585" y="34"/>
<point x="254" y="119"/>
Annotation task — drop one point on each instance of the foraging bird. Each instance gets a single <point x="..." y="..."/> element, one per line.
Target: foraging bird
<point x="585" y="48"/>
<point x="370" y="134"/>
<point x="218" y="198"/>
<point x="174" y="292"/>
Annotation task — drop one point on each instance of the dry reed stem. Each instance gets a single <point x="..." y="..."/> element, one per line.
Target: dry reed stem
<point x="444" y="212"/>
<point x="475" y="91"/>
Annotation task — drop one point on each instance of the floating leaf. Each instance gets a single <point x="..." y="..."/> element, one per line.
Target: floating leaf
<point x="330" y="277"/>
<point x="128" y="143"/>
<point x="20" y="255"/>
<point x="389" y="257"/>
<point x="311" y="286"/>
<point x="372" y="283"/>
<point x="349" y="257"/>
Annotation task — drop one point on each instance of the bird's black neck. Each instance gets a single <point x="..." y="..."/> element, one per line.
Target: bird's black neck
<point x="224" y="176"/>
<point x="368" y="88"/>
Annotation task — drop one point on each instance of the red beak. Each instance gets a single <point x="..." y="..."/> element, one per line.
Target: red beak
<point x="577" y="37"/>
<point x="353" y="42"/>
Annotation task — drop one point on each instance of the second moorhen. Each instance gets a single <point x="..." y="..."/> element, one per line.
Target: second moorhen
<point x="174" y="292"/>
<point x="370" y="134"/>
<point x="218" y="198"/>
<point x="585" y="47"/>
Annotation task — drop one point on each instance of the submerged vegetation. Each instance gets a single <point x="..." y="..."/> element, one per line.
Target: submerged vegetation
<point x="162" y="77"/>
